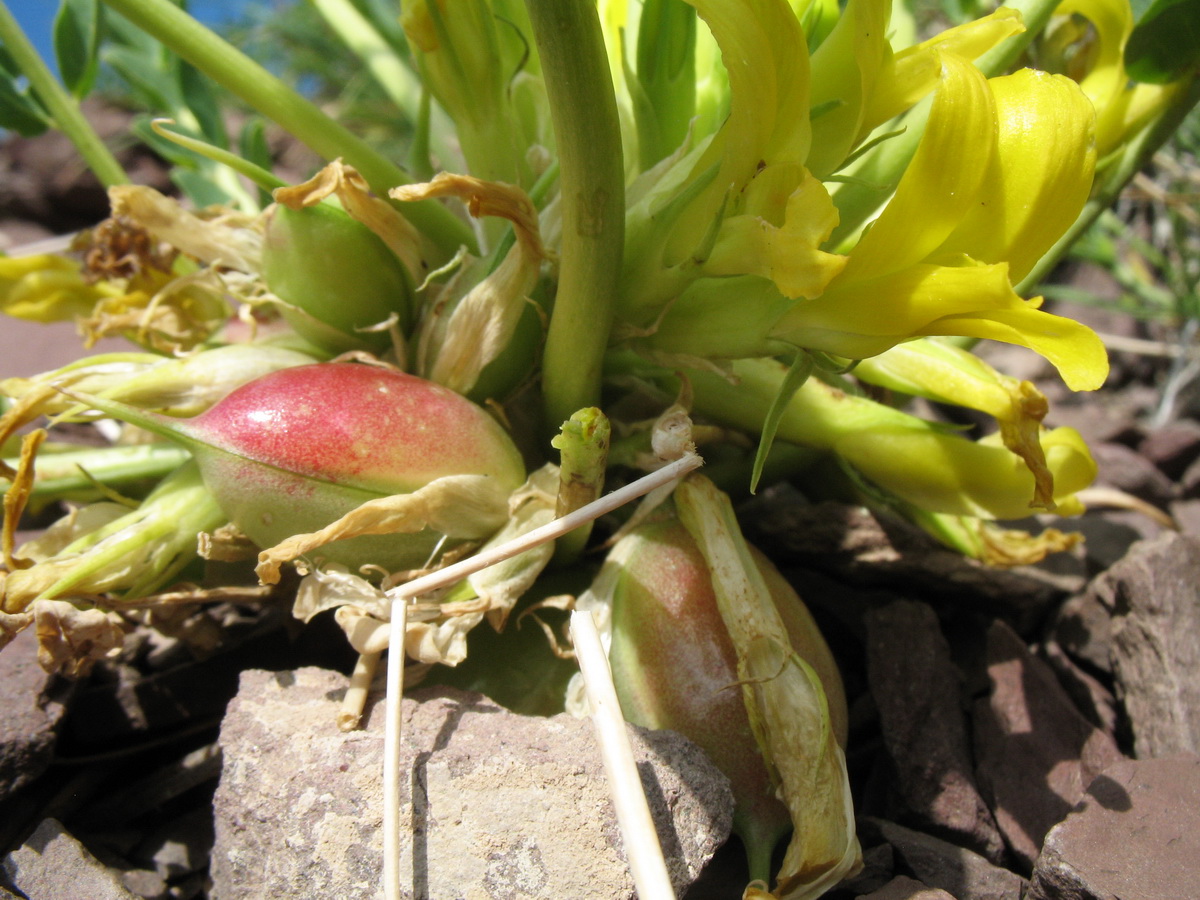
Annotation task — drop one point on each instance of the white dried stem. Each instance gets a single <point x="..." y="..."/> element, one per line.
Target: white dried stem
<point x="642" y="848"/>
<point x="355" y="700"/>
<point x="402" y="594"/>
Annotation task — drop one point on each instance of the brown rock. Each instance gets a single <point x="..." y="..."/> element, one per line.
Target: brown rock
<point x="1155" y="597"/>
<point x="903" y="888"/>
<point x="918" y="694"/>
<point x="1173" y="447"/>
<point x="31" y="705"/>
<point x="494" y="804"/>
<point x="1036" y="753"/>
<point x="1135" y="835"/>
<point x="943" y="865"/>
<point x="874" y="550"/>
<point x="1129" y="471"/>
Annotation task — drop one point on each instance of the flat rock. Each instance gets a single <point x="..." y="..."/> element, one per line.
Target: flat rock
<point x="918" y="693"/>
<point x="1135" y="835"/>
<point x="904" y="888"/>
<point x="1036" y="752"/>
<point x="31" y="706"/>
<point x="1154" y="595"/>
<point x="52" y="864"/>
<point x="494" y="805"/>
<point x="945" y="866"/>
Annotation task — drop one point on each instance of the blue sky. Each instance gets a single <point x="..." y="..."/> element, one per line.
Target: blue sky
<point x="37" y="16"/>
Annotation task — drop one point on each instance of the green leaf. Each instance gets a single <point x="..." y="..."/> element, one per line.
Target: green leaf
<point x="201" y="98"/>
<point x="19" y="112"/>
<point x="76" y="38"/>
<point x="253" y="144"/>
<point x="1165" y="43"/>
<point x="147" y="83"/>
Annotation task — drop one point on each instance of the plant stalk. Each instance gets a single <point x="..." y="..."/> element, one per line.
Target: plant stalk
<point x="63" y="108"/>
<point x="233" y="70"/>
<point x="583" y="109"/>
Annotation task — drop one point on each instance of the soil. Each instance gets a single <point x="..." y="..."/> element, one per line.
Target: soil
<point x="984" y="703"/>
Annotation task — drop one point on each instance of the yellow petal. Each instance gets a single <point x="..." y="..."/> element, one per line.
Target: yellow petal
<point x="845" y="71"/>
<point x="44" y="288"/>
<point x="946" y="473"/>
<point x="940" y="183"/>
<point x="788" y="255"/>
<point x="1040" y="176"/>
<point x="912" y="73"/>
<point x="863" y="318"/>
<point x="1074" y="349"/>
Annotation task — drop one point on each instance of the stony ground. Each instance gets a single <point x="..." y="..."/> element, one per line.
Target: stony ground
<point x="1014" y="733"/>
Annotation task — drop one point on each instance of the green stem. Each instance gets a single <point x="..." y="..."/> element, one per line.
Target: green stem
<point x="63" y="108"/>
<point x="1134" y="158"/>
<point x="583" y="109"/>
<point x="74" y="474"/>
<point x="236" y="72"/>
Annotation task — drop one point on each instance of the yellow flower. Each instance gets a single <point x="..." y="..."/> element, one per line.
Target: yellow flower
<point x="1003" y="168"/>
<point x="45" y="288"/>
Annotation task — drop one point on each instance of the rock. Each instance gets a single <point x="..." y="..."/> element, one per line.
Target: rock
<point x="1083" y="627"/>
<point x="1036" y="753"/>
<point x="1154" y="594"/>
<point x="31" y="705"/>
<point x="52" y="864"/>
<point x="902" y="888"/>
<point x="1135" y="835"/>
<point x="917" y="690"/>
<point x="1189" y="482"/>
<point x="494" y="804"/>
<point x="1187" y="514"/>
<point x="1087" y="692"/>
<point x="872" y="550"/>
<point x="1173" y="447"/>
<point x="942" y="865"/>
<point x="1129" y="471"/>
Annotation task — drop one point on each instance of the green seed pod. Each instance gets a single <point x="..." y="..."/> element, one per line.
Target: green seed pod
<point x="335" y="277"/>
<point x="675" y="667"/>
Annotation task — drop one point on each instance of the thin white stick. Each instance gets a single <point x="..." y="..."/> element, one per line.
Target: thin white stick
<point x="391" y="751"/>
<point x="642" y="848"/>
<point x="401" y="594"/>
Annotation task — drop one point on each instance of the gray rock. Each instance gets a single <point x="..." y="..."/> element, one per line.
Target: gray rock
<point x="1135" y="835"/>
<point x="943" y="865"/>
<point x="1155" y="597"/>
<point x="918" y="693"/>
<point x="31" y="706"/>
<point x="1036" y="753"/>
<point x="53" y="865"/>
<point x="494" y="804"/>
<point x="904" y="888"/>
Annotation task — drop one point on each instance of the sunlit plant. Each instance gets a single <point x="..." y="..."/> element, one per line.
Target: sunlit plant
<point x="615" y="232"/>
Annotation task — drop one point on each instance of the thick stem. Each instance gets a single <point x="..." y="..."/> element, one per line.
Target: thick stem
<point x="583" y="109"/>
<point x="236" y="72"/>
<point x="63" y="108"/>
